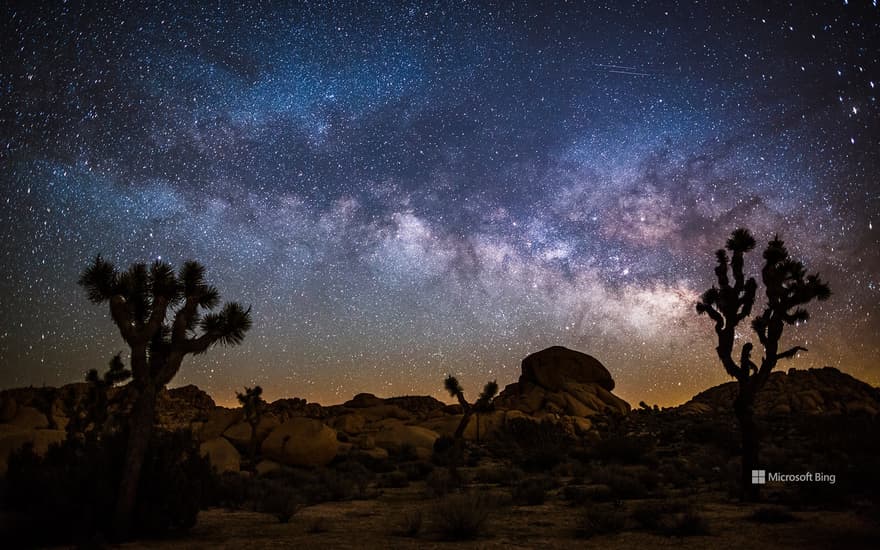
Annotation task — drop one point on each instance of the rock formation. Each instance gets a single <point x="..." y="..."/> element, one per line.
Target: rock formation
<point x="800" y="392"/>
<point x="561" y="381"/>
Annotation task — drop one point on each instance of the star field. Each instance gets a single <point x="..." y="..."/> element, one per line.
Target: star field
<point x="404" y="191"/>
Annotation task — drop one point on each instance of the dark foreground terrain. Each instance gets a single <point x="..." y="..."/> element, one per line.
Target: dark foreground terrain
<point x="557" y="461"/>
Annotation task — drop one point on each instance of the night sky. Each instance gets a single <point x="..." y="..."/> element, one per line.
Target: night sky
<point x="406" y="191"/>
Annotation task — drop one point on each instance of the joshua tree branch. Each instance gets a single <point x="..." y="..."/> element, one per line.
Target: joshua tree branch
<point x="121" y="317"/>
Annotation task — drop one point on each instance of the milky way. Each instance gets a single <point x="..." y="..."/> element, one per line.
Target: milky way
<point x="406" y="191"/>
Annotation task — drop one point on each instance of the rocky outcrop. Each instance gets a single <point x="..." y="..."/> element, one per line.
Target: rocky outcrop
<point x="301" y="441"/>
<point x="561" y="381"/>
<point x="179" y="408"/>
<point x="284" y="409"/>
<point x="419" y="405"/>
<point x="801" y="392"/>
<point x="553" y="367"/>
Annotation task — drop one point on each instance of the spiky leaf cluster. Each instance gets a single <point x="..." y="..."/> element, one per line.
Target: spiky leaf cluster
<point x="252" y="403"/>
<point x="787" y="287"/>
<point x="167" y="314"/>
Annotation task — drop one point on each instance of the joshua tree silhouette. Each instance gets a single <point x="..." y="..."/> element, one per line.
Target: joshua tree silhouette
<point x="158" y="315"/>
<point x="787" y="287"/>
<point x="94" y="410"/>
<point x="253" y="405"/>
<point x="481" y="405"/>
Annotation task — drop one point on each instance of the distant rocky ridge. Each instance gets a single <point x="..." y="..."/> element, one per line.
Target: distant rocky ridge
<point x="566" y="387"/>
<point x="799" y="392"/>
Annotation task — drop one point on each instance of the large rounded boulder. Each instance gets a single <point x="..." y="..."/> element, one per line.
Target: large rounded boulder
<point x="301" y="442"/>
<point x="556" y="366"/>
<point x="222" y="455"/>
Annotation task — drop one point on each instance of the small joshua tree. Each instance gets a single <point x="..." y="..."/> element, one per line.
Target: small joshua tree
<point x="94" y="411"/>
<point x="787" y="287"/>
<point x="157" y="313"/>
<point x="481" y="405"/>
<point x="252" y="405"/>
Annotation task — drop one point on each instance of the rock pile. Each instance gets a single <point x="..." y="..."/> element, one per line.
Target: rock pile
<point x="561" y="381"/>
<point x="799" y="392"/>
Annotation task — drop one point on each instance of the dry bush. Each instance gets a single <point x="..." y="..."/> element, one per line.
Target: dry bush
<point x="463" y="516"/>
<point x="600" y="519"/>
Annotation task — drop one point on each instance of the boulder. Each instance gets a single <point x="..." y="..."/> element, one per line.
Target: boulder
<point x="484" y="425"/>
<point x="376" y="453"/>
<point x="301" y="441"/>
<point x="395" y="437"/>
<point x="219" y="420"/>
<point x="267" y="466"/>
<point x="240" y="432"/>
<point x="362" y="400"/>
<point x="561" y="382"/>
<point x="222" y="455"/>
<point x="29" y="418"/>
<point x="552" y="367"/>
<point x="352" y="423"/>
<point x="443" y="425"/>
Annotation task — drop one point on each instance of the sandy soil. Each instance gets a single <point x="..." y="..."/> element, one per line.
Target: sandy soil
<point x="372" y="524"/>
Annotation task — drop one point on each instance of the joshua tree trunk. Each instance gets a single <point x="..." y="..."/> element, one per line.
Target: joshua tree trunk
<point x="462" y="426"/>
<point x="253" y="445"/>
<point x="140" y="430"/>
<point x="744" y="407"/>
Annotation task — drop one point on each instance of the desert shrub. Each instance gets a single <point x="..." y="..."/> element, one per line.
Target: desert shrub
<point x="711" y="431"/>
<point x="281" y="502"/>
<point x="654" y="514"/>
<point x="581" y="494"/>
<point x="232" y="491"/>
<point x="649" y="515"/>
<point x="574" y="468"/>
<point x="626" y="450"/>
<point x="440" y="483"/>
<point x="174" y="480"/>
<point x="410" y="525"/>
<point x="533" y="446"/>
<point x="395" y="480"/>
<point x="443" y="450"/>
<point x="463" y="516"/>
<point x="498" y="475"/>
<point x="772" y="514"/>
<point x="675" y="474"/>
<point x="416" y="471"/>
<point x="626" y="484"/>
<point x="530" y="491"/>
<point x="688" y="523"/>
<point x="670" y="517"/>
<point x="406" y="453"/>
<point x="600" y="519"/>
<point x="76" y="484"/>
<point x="318" y="525"/>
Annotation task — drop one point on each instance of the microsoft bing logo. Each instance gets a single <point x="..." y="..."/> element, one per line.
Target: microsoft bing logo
<point x="759" y="477"/>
